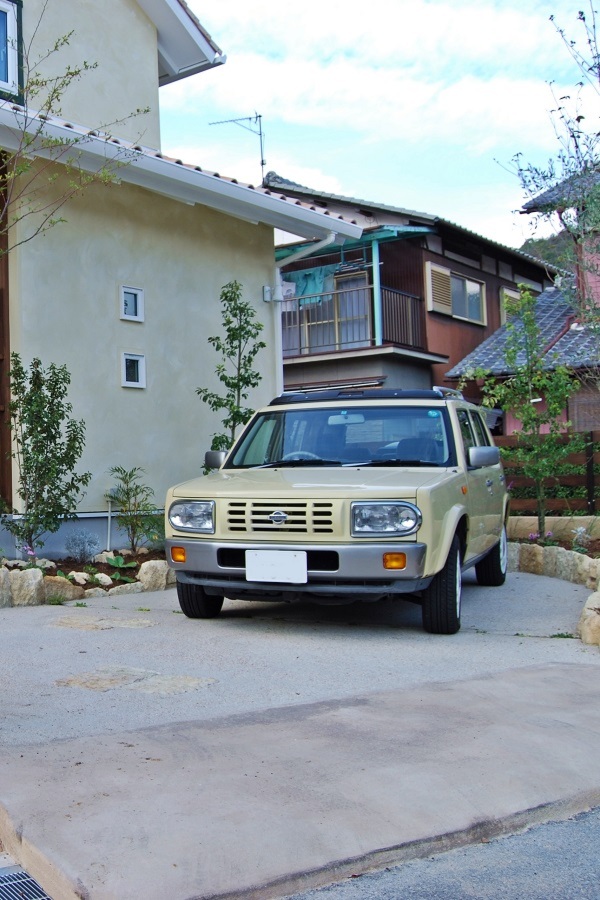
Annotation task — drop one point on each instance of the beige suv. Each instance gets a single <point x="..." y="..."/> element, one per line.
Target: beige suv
<point x="339" y="496"/>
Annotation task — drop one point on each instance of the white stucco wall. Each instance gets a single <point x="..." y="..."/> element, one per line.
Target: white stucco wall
<point x="64" y="308"/>
<point x="118" y="37"/>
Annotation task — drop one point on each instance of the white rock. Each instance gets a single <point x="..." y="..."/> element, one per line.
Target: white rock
<point x="105" y="580"/>
<point x="79" y="577"/>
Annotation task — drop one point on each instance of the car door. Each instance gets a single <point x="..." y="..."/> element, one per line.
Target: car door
<point x="484" y="498"/>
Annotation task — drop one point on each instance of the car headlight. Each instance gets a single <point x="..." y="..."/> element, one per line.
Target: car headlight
<point x="388" y="519"/>
<point x="193" y="515"/>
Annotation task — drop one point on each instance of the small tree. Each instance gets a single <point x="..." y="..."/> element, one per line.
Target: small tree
<point x="536" y="394"/>
<point x="138" y="516"/>
<point x="565" y="192"/>
<point x="238" y="349"/>
<point x="47" y="445"/>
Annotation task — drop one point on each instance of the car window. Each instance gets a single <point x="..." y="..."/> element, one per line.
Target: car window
<point x="466" y="430"/>
<point x="346" y="436"/>
<point x="481" y="433"/>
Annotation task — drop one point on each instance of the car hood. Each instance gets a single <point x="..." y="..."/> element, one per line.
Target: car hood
<point x="329" y="482"/>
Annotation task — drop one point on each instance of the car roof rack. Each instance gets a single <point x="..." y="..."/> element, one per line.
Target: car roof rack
<point x="360" y="394"/>
<point x="449" y="392"/>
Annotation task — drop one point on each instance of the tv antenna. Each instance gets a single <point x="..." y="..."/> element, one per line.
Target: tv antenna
<point x="256" y="121"/>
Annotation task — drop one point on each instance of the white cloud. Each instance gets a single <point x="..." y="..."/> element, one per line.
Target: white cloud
<point x="411" y="95"/>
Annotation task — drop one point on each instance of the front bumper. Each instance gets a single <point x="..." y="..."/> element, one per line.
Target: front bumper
<point x="333" y="569"/>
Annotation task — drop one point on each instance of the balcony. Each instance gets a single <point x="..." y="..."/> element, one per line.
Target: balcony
<point x="344" y="320"/>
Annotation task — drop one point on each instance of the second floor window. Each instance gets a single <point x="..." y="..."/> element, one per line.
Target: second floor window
<point x="467" y="298"/>
<point x="9" y="47"/>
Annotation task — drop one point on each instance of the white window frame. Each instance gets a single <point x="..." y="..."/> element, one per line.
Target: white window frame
<point x="438" y="288"/>
<point x="139" y="293"/>
<point x="11" y="86"/>
<point x="483" y="319"/>
<point x="141" y="361"/>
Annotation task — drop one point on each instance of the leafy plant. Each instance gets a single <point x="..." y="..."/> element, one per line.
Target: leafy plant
<point x="238" y="348"/>
<point x="47" y="444"/>
<point x="118" y="563"/>
<point x="138" y="516"/>
<point x="55" y="600"/>
<point x="581" y="539"/>
<point x="536" y="393"/>
<point x="82" y="545"/>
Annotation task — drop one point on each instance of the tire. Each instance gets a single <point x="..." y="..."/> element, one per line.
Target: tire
<point x="491" y="570"/>
<point x="441" y="600"/>
<point x="196" y="603"/>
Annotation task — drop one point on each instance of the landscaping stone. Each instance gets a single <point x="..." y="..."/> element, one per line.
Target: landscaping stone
<point x="513" y="559"/>
<point x="79" y="577"/>
<point x="135" y="588"/>
<point x="27" y="587"/>
<point x="5" y="592"/>
<point x="105" y="580"/>
<point x="57" y="586"/>
<point x="531" y="559"/>
<point x="589" y="621"/>
<point x="153" y="574"/>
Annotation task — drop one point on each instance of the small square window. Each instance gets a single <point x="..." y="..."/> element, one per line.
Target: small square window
<point x="133" y="370"/>
<point x="132" y="304"/>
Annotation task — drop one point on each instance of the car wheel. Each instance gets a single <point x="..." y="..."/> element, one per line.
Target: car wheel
<point x="196" y="603"/>
<point x="441" y="600"/>
<point x="491" y="570"/>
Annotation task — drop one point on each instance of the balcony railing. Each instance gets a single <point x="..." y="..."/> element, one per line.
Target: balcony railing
<point x="343" y="320"/>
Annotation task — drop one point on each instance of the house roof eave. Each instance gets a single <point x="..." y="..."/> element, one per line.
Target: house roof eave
<point x="184" y="46"/>
<point x="151" y="170"/>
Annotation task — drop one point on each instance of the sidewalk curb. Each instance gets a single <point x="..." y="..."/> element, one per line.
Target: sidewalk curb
<point x="554" y="811"/>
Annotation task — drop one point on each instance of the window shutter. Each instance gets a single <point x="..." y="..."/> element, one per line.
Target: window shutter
<point x="439" y="291"/>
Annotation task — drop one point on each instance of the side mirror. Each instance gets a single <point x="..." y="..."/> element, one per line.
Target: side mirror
<point x="479" y="457"/>
<point x="214" y="459"/>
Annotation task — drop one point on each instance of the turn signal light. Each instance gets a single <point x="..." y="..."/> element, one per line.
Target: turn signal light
<point x="178" y="554"/>
<point x="394" y="560"/>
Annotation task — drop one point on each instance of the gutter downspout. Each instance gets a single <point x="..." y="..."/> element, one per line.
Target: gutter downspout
<point x="278" y="296"/>
<point x="377" y="306"/>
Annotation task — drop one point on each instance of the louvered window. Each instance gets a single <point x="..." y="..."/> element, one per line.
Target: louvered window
<point x="455" y="295"/>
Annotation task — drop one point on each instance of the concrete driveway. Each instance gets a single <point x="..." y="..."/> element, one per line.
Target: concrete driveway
<point x="276" y="748"/>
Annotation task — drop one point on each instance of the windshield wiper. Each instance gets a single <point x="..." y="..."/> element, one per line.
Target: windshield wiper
<point x="292" y="463"/>
<point x="401" y="462"/>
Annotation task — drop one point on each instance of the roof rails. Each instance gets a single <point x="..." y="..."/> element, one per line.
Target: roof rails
<point x="364" y="394"/>
<point x="449" y="392"/>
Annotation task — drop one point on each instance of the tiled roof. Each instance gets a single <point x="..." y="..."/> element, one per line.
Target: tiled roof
<point x="568" y="194"/>
<point x="366" y="211"/>
<point x="566" y="341"/>
<point x="188" y="182"/>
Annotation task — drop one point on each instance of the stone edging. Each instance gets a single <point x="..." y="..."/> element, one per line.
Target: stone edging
<point x="556" y="562"/>
<point x="30" y="587"/>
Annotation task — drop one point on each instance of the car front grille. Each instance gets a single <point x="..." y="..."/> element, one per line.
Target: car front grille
<point x="301" y="517"/>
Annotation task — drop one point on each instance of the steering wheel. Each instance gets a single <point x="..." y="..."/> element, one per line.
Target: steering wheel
<point x="299" y="454"/>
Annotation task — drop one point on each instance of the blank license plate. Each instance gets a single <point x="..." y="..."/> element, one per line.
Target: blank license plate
<point x="284" y="566"/>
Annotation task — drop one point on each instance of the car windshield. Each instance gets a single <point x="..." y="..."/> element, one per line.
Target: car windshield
<point x="357" y="435"/>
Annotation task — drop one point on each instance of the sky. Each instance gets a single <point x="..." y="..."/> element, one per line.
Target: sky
<point x="420" y="104"/>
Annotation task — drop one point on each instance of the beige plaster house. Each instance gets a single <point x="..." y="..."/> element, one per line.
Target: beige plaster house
<point x="125" y="292"/>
